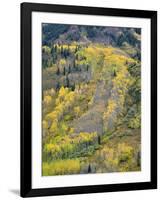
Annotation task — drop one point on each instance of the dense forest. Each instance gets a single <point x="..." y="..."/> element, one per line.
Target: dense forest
<point x="91" y="99"/>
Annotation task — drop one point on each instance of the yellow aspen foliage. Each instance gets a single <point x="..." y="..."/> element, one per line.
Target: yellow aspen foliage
<point x="47" y="100"/>
<point x="135" y="122"/>
<point x="121" y="82"/>
<point x="45" y="124"/>
<point x="70" y="96"/>
<point x="54" y="127"/>
<point x="51" y="116"/>
<point x="62" y="93"/>
<point x="71" y="130"/>
<point x="64" y="100"/>
<point x="59" y="109"/>
<point x="124" y="148"/>
<point x="46" y="49"/>
<point x="61" y="167"/>
<point x="110" y="108"/>
<point x="62" y="62"/>
<point x="87" y="137"/>
<point x="52" y="148"/>
<point x="77" y="110"/>
<point x="64" y="127"/>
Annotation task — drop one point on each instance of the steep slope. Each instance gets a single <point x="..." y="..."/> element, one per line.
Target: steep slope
<point x="127" y="38"/>
<point x="91" y="100"/>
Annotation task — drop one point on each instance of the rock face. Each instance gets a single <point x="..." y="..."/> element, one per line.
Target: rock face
<point x="92" y="120"/>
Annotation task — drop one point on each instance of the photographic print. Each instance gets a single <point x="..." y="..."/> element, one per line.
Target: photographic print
<point x="88" y="99"/>
<point x="91" y="99"/>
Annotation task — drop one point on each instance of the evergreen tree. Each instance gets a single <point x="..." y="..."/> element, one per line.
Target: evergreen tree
<point x="64" y="71"/>
<point x="52" y="51"/>
<point x="76" y="56"/>
<point x="76" y="49"/>
<point x="74" y="65"/>
<point x="56" y="48"/>
<point x="114" y="73"/>
<point x="67" y="81"/>
<point x="138" y="159"/>
<point x="99" y="139"/>
<point x="62" y="51"/>
<point x="57" y="86"/>
<point x="89" y="168"/>
<point x="69" y="69"/>
<point x="68" y="50"/>
<point x="73" y="87"/>
<point x="58" y="71"/>
<point x="54" y="54"/>
<point x="80" y="69"/>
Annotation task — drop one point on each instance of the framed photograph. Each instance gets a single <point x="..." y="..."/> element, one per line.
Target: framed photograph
<point x="88" y="99"/>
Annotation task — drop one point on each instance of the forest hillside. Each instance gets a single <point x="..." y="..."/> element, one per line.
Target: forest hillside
<point x="91" y="99"/>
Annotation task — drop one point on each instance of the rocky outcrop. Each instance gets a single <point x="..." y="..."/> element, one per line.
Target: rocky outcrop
<point x="92" y="120"/>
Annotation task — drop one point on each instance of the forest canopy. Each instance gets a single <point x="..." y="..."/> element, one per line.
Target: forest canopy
<point x="91" y="99"/>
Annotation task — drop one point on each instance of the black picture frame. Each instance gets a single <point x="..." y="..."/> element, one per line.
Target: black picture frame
<point x="26" y="104"/>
